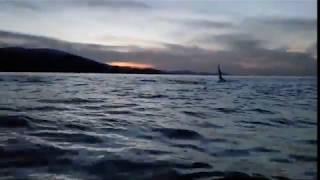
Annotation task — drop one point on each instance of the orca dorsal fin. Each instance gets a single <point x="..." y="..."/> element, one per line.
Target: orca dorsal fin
<point x="220" y="74"/>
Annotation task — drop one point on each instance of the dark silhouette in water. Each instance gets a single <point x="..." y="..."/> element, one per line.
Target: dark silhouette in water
<point x="220" y="75"/>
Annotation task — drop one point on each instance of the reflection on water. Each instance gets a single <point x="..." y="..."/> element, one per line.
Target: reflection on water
<point x="89" y="126"/>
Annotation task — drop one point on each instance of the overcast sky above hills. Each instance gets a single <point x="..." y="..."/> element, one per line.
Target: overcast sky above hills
<point x="267" y="37"/>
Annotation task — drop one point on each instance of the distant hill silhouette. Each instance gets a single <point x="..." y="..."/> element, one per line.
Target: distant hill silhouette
<point x="16" y="59"/>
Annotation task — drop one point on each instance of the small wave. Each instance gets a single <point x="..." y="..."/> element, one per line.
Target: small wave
<point x="227" y="110"/>
<point x="218" y="140"/>
<point x="280" y="160"/>
<point x="195" y="114"/>
<point x="258" y="123"/>
<point x="80" y="84"/>
<point x="14" y="121"/>
<point x="118" y="105"/>
<point x="202" y="174"/>
<point x="189" y="146"/>
<point x="243" y="176"/>
<point x="77" y="126"/>
<point x="264" y="150"/>
<point x="210" y="125"/>
<point x="151" y="96"/>
<point x="147" y="80"/>
<point x="186" y="82"/>
<point x="306" y="122"/>
<point x="8" y="109"/>
<point x="31" y="154"/>
<point x="178" y="133"/>
<point x="219" y="175"/>
<point x="281" y="121"/>
<point x="34" y="80"/>
<point x="200" y="165"/>
<point x="182" y="90"/>
<point x="104" y="166"/>
<point x="149" y="151"/>
<point x="303" y="158"/>
<point x="146" y="109"/>
<point x="91" y="107"/>
<point x="180" y="98"/>
<point x="44" y="108"/>
<point x="194" y="165"/>
<point x="46" y="127"/>
<point x="232" y="153"/>
<point x="119" y="112"/>
<point x="67" y="136"/>
<point x="262" y="111"/>
<point x="159" y="169"/>
<point x="70" y="101"/>
<point x="309" y="141"/>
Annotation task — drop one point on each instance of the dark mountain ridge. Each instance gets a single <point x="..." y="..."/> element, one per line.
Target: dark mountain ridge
<point x="17" y="59"/>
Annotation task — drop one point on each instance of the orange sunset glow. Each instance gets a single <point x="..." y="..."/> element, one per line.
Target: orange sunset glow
<point x="131" y="64"/>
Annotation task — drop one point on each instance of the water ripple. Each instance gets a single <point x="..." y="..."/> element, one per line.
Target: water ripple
<point x="117" y="126"/>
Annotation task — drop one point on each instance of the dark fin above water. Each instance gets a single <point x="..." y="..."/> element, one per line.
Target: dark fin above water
<point x="221" y="79"/>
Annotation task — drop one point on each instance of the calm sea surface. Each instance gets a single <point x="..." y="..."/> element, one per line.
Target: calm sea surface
<point x="113" y="126"/>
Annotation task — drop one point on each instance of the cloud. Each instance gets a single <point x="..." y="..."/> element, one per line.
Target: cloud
<point x="26" y="5"/>
<point x="292" y="24"/>
<point x="312" y="50"/>
<point x="8" y="38"/>
<point x="112" y="3"/>
<point x="36" y="5"/>
<point x="234" y="41"/>
<point x="17" y="39"/>
<point x="201" y="23"/>
<point x="294" y="34"/>
<point x="256" y="61"/>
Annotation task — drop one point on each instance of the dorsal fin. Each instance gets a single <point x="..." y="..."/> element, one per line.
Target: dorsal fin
<point x="220" y="73"/>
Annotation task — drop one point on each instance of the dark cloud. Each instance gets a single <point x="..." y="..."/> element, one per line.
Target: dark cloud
<point x="17" y="39"/>
<point x="238" y="41"/>
<point x="287" y="24"/>
<point x="25" y="40"/>
<point x="257" y="61"/>
<point x="202" y="23"/>
<point x="232" y="41"/>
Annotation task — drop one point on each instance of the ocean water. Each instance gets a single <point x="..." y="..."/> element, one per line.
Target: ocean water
<point x="116" y="126"/>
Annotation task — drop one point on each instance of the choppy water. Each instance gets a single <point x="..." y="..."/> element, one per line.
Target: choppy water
<point x="89" y="126"/>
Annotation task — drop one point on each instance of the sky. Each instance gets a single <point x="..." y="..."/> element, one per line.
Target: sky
<point x="247" y="37"/>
